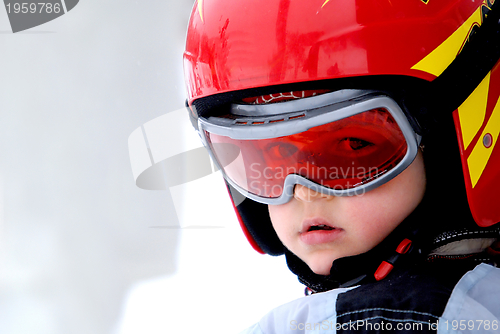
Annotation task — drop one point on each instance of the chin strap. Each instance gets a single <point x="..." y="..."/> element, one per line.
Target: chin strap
<point x="371" y="266"/>
<point x="361" y="269"/>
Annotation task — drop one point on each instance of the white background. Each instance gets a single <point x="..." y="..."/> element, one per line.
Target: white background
<point x="82" y="249"/>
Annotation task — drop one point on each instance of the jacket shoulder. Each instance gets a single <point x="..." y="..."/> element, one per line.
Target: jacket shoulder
<point x="474" y="305"/>
<point x="406" y="302"/>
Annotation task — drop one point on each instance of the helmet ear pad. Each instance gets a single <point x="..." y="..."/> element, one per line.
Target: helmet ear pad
<point x="256" y="223"/>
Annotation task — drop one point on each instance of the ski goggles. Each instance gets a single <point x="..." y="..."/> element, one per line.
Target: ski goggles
<point x="341" y="143"/>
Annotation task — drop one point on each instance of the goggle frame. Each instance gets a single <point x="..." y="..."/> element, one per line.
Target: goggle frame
<point x="266" y="121"/>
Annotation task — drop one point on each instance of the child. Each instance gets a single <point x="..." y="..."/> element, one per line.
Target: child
<point x="337" y="121"/>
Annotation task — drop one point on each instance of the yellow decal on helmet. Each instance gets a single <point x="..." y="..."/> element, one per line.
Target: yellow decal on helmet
<point x="200" y="9"/>
<point x="471" y="113"/>
<point x="481" y="153"/>
<point x="442" y="56"/>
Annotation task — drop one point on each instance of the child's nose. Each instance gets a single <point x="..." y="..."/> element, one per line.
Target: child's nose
<point x="304" y="194"/>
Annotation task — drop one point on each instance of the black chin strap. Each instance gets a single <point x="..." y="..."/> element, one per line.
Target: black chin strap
<point x="348" y="271"/>
<point x="373" y="265"/>
<point x="362" y="268"/>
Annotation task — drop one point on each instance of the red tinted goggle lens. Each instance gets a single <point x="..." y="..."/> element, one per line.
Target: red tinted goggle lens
<point x="340" y="155"/>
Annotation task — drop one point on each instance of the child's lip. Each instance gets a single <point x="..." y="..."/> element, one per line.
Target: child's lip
<point x="317" y="221"/>
<point x="328" y="233"/>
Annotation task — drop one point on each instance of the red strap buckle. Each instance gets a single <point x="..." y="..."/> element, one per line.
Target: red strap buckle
<point x="386" y="266"/>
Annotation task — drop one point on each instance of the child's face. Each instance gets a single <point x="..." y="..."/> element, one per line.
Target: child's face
<point x="356" y="223"/>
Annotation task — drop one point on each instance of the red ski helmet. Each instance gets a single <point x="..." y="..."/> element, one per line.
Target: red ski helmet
<point x="247" y="48"/>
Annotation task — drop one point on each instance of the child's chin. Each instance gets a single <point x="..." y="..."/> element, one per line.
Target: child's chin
<point x="321" y="268"/>
<point x="320" y="261"/>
